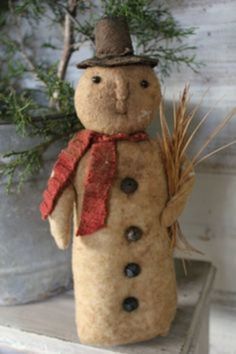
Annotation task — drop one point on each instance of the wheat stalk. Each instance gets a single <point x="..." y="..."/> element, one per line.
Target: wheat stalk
<point x="174" y="146"/>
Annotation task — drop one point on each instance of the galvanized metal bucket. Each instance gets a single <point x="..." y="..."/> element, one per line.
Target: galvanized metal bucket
<point x="31" y="266"/>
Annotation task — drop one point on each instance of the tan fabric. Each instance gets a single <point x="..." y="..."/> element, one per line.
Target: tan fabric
<point x="61" y="217"/>
<point x="175" y="205"/>
<point x="120" y="104"/>
<point x="97" y="105"/>
<point x="99" y="260"/>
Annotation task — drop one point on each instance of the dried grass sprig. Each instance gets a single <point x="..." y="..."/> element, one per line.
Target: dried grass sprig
<point x="174" y="146"/>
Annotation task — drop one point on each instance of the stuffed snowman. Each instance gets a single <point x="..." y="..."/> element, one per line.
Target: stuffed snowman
<point x="111" y="181"/>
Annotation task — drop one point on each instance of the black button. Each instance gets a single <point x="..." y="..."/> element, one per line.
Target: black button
<point x="96" y="79"/>
<point x="130" y="304"/>
<point x="128" y="185"/>
<point x="132" y="270"/>
<point x="144" y="83"/>
<point x="133" y="233"/>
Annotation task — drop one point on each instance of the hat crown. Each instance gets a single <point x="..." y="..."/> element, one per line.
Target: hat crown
<point x="114" y="46"/>
<point x="112" y="38"/>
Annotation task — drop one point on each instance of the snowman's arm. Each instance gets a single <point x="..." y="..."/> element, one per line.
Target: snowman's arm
<point x="176" y="204"/>
<point x="60" y="219"/>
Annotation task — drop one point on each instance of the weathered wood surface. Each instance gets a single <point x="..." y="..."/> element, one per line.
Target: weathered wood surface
<point x="48" y="327"/>
<point x="215" y="23"/>
<point x="223" y="323"/>
<point x="209" y="221"/>
<point x="209" y="224"/>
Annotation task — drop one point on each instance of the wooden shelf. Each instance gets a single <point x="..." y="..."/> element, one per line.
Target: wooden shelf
<point x="48" y="326"/>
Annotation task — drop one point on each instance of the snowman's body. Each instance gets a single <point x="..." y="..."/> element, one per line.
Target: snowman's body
<point x="99" y="260"/>
<point x="125" y="289"/>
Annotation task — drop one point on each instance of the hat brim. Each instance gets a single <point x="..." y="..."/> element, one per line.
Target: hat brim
<point x="118" y="61"/>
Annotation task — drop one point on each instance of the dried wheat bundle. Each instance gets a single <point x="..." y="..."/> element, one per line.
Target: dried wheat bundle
<point x="174" y="145"/>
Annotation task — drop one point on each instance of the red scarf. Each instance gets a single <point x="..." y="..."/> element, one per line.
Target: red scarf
<point x="98" y="180"/>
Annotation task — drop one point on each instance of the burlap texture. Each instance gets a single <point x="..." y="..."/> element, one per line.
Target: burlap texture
<point x="120" y="104"/>
<point x="99" y="259"/>
<point x="176" y="204"/>
<point x="60" y="221"/>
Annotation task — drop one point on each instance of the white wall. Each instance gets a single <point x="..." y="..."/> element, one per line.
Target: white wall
<point x="209" y="221"/>
<point x="216" y="47"/>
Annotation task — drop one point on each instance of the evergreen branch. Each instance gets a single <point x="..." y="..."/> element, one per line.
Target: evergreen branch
<point x="156" y="33"/>
<point x="17" y="108"/>
<point x="154" y="25"/>
<point x="26" y="163"/>
<point x="29" y="8"/>
<point x="174" y="57"/>
<point x="17" y="46"/>
<point x="86" y="30"/>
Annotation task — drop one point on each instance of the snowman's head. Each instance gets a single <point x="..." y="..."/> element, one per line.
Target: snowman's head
<point x="121" y="99"/>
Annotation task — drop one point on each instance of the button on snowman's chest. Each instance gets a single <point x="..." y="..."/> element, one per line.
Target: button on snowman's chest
<point x="137" y="196"/>
<point x="123" y="250"/>
<point x="141" y="188"/>
<point x="130" y="186"/>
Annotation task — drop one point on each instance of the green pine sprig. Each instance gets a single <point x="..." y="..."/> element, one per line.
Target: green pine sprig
<point x="155" y="33"/>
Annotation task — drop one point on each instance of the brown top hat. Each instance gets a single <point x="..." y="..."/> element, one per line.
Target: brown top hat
<point x="114" y="46"/>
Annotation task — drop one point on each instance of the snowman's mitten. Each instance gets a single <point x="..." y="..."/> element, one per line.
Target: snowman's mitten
<point x="176" y="204"/>
<point x="61" y="218"/>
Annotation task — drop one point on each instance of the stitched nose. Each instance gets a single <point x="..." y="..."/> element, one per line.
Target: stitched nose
<point x="122" y="94"/>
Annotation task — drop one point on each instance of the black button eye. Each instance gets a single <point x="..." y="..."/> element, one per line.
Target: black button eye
<point x="96" y="79"/>
<point x="144" y="83"/>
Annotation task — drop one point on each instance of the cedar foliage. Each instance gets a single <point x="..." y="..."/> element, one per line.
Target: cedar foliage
<point x="52" y="117"/>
